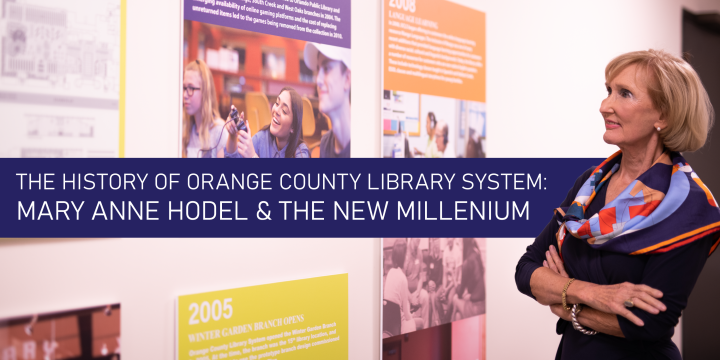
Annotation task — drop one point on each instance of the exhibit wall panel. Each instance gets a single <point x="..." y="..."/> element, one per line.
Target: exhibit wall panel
<point x="146" y="275"/>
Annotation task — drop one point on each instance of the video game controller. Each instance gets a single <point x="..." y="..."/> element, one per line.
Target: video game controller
<point x="236" y="118"/>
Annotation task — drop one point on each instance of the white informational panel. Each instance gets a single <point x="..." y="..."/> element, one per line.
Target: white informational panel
<point x="60" y="78"/>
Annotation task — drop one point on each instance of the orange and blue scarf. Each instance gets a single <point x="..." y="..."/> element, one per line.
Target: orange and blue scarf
<point x="666" y="207"/>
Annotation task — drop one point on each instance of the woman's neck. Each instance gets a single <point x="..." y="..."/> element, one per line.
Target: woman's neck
<point x="637" y="160"/>
<point x="198" y="122"/>
<point x="281" y="143"/>
<point x="341" y="125"/>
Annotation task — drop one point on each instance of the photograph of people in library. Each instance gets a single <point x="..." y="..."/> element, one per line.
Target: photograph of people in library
<point x="426" y="126"/>
<point x="86" y="333"/>
<point x="252" y="95"/>
<point x="431" y="281"/>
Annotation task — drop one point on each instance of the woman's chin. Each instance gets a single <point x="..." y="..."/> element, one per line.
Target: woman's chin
<point x="276" y="131"/>
<point x="610" y="139"/>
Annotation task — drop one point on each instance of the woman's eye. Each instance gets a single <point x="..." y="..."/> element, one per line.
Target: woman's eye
<point x="624" y="93"/>
<point x="609" y="90"/>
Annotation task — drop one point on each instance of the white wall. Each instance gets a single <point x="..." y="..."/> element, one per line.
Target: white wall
<point x="545" y="63"/>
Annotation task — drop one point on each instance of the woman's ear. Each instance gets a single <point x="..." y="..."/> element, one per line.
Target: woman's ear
<point x="661" y="123"/>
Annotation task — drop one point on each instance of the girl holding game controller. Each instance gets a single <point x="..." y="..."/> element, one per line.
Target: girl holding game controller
<point x="281" y="139"/>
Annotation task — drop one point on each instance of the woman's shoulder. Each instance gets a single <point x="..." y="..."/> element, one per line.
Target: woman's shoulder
<point x="395" y="274"/>
<point x="302" y="151"/>
<point x="217" y="124"/>
<point x="217" y="127"/>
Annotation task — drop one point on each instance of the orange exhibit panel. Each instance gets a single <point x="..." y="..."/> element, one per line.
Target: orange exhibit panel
<point x="433" y="100"/>
<point x="435" y="48"/>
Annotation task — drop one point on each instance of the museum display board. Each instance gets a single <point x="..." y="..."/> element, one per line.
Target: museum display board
<point x="63" y="78"/>
<point x="433" y="79"/>
<point x="247" y="54"/>
<point x="296" y="319"/>
<point x="84" y="333"/>
<point x="434" y="297"/>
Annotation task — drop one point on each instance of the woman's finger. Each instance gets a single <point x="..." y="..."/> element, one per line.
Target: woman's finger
<point x="652" y="291"/>
<point x="545" y="264"/>
<point x="551" y="263"/>
<point x="249" y="131"/>
<point x="231" y="128"/>
<point x="558" y="261"/>
<point x="651" y="301"/>
<point x="243" y="137"/>
<point x="632" y="317"/>
<point x="642" y="305"/>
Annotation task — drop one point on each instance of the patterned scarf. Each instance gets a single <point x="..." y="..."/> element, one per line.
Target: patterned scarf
<point x="666" y="207"/>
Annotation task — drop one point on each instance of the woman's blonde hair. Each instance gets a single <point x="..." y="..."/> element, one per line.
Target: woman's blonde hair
<point x="677" y="92"/>
<point x="208" y="109"/>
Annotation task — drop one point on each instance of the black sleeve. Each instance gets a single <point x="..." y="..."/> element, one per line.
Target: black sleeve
<point x="674" y="273"/>
<point x="535" y="254"/>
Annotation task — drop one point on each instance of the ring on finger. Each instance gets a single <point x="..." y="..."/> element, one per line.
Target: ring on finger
<point x="629" y="303"/>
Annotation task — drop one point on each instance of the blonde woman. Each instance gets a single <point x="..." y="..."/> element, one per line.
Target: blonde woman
<point x="634" y="232"/>
<point x="203" y="135"/>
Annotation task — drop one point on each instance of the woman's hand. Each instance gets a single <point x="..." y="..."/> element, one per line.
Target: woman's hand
<point x="558" y="310"/>
<point x="244" y="143"/>
<point x="231" y="128"/>
<point x="611" y="299"/>
<point x="554" y="262"/>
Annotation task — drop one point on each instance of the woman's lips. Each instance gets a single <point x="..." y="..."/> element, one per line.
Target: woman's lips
<point x="609" y="125"/>
<point x="275" y="121"/>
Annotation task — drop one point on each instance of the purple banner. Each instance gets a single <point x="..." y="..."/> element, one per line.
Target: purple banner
<point x="320" y="21"/>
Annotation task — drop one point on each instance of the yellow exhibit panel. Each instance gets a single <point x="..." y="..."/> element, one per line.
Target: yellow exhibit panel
<point x="300" y="319"/>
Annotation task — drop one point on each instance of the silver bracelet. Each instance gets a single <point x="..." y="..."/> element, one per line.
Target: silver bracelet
<point x="576" y="325"/>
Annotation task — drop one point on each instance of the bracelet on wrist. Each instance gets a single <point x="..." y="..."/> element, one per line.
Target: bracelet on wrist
<point x="564" y="295"/>
<point x="576" y="325"/>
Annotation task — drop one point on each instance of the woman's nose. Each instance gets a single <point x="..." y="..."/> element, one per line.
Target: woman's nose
<point x="606" y="106"/>
<point x="320" y="77"/>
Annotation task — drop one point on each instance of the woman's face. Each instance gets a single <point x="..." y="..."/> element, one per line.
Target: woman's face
<point x="192" y="83"/>
<point x="630" y="116"/>
<point x="282" y="117"/>
<point x="331" y="83"/>
<point x="428" y="125"/>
